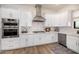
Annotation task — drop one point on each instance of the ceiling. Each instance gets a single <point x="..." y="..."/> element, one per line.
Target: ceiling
<point x="47" y="6"/>
<point x="54" y="6"/>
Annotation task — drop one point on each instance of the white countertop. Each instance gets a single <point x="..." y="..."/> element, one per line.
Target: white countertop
<point x="39" y="33"/>
<point x="68" y="33"/>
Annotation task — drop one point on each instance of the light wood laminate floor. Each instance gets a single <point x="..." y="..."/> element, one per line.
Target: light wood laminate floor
<point x="53" y="48"/>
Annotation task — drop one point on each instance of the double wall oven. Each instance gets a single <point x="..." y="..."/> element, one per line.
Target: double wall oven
<point x="10" y="28"/>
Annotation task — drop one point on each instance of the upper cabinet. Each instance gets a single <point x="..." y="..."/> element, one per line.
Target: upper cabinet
<point x="76" y="14"/>
<point x="26" y="18"/>
<point x="49" y="20"/>
<point x="10" y="13"/>
<point x="63" y="19"/>
<point x="59" y="19"/>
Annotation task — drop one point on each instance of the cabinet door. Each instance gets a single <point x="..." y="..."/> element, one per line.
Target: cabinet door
<point x="36" y="39"/>
<point x="77" y="44"/>
<point x="15" y="14"/>
<point x="47" y="38"/>
<point x="25" y="18"/>
<point x="5" y="13"/>
<point x="51" y="38"/>
<point x="76" y="13"/>
<point x="7" y="44"/>
<point x="63" y="19"/>
<point x="42" y="39"/>
<point x="10" y="13"/>
<point x="22" y="42"/>
<point x="54" y="37"/>
<point x="49" y="20"/>
<point x="72" y="43"/>
<point x="30" y="40"/>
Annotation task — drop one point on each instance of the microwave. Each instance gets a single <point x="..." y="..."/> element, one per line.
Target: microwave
<point x="76" y="24"/>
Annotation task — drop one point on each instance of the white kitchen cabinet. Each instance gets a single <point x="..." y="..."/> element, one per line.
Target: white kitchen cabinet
<point x="75" y="14"/>
<point x="58" y="19"/>
<point x="27" y="40"/>
<point x="23" y="42"/>
<point x="10" y="43"/>
<point x="73" y="43"/>
<point x="10" y="13"/>
<point x="63" y="19"/>
<point x="49" y="20"/>
<point x="36" y="40"/>
<point x="14" y="43"/>
<point x="25" y="18"/>
<point x="48" y="38"/>
<point x="42" y="39"/>
<point x="54" y="37"/>
<point x="30" y="41"/>
<point x="39" y="39"/>
<point x="5" y="13"/>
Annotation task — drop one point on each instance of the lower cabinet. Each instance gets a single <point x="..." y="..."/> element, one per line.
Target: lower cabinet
<point x="22" y="42"/>
<point x="73" y="43"/>
<point x="10" y="43"/>
<point x="48" y="38"/>
<point x="28" y="40"/>
<point x="45" y="38"/>
<point x="36" y="39"/>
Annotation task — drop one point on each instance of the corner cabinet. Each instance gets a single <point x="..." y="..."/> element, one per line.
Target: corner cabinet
<point x="73" y="43"/>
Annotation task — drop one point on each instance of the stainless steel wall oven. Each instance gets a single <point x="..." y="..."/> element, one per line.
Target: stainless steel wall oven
<point x="10" y="28"/>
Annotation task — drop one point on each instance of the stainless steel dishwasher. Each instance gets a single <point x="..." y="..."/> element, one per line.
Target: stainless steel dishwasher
<point x="62" y="39"/>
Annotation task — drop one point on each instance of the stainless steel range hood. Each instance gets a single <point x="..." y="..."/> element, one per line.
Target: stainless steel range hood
<point x="38" y="17"/>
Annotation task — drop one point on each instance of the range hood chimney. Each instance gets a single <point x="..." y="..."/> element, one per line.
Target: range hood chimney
<point x="38" y="17"/>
